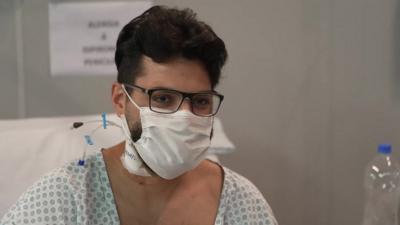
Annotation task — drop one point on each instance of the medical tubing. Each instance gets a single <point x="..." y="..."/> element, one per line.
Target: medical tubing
<point x="78" y="124"/>
<point x="88" y="138"/>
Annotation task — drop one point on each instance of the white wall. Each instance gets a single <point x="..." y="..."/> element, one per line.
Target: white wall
<point x="311" y="86"/>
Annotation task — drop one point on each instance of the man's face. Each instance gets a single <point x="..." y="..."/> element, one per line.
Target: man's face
<point x="179" y="74"/>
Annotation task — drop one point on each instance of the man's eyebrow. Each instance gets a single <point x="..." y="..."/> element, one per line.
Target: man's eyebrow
<point x="161" y="87"/>
<point x="167" y="88"/>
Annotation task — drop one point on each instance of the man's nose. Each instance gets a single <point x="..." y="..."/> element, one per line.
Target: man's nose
<point x="186" y="105"/>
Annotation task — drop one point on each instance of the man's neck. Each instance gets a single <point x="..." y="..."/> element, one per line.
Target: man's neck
<point x="131" y="184"/>
<point x="148" y="200"/>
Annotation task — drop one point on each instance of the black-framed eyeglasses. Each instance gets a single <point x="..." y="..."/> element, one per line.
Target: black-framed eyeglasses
<point x="168" y="101"/>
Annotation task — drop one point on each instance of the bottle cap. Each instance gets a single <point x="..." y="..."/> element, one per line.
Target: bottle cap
<point x="385" y="149"/>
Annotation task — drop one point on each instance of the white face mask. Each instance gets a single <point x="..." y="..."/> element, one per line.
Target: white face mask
<point x="170" y="144"/>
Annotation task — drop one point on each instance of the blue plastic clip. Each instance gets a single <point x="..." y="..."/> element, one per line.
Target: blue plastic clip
<point x="103" y="115"/>
<point x="81" y="162"/>
<point x="88" y="140"/>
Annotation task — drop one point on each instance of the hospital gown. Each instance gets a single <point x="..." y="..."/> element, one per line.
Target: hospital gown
<point x="82" y="195"/>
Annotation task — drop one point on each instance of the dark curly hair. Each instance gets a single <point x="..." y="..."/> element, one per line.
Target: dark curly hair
<point x="163" y="34"/>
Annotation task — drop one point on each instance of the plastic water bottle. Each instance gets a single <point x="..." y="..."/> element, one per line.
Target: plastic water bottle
<point x="381" y="181"/>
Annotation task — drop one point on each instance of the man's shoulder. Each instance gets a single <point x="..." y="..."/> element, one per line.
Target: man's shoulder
<point x="56" y="195"/>
<point x="42" y="201"/>
<point x="72" y="173"/>
<point x="237" y="183"/>
<point x="68" y="176"/>
<point x="242" y="200"/>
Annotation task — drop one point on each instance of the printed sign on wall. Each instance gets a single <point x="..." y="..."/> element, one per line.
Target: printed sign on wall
<point x="83" y="35"/>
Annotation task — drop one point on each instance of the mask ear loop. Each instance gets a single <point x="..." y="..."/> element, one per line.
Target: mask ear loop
<point x="124" y="126"/>
<point x="129" y="97"/>
<point x="212" y="128"/>
<point x="136" y="156"/>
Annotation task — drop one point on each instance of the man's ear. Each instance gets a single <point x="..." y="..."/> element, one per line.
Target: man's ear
<point x="118" y="98"/>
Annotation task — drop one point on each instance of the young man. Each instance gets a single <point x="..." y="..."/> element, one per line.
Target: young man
<point x="168" y="67"/>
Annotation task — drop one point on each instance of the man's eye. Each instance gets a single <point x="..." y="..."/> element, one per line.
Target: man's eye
<point x="162" y="99"/>
<point x="202" y="102"/>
